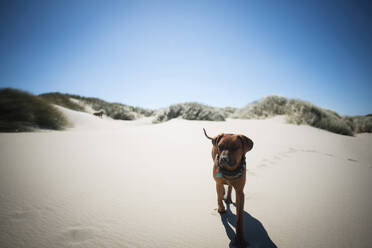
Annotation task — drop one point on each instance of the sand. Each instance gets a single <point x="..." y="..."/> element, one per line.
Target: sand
<point x="106" y="183"/>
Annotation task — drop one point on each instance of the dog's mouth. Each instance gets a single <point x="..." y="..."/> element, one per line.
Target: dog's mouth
<point x="227" y="164"/>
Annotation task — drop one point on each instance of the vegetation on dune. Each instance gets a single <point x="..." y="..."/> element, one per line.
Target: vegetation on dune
<point x="63" y="100"/>
<point x="359" y="124"/>
<point x="266" y="107"/>
<point x="302" y="112"/>
<point x="116" y="111"/>
<point x="190" y="111"/>
<point x="21" y="111"/>
<point x="228" y="111"/>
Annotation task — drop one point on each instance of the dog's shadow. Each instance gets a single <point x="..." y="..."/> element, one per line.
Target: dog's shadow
<point x="254" y="232"/>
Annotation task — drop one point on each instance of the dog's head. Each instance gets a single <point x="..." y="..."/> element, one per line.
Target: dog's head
<point x="231" y="148"/>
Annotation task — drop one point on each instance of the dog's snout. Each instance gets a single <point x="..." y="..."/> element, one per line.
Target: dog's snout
<point x="224" y="158"/>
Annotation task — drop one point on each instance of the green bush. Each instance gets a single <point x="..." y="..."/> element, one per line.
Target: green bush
<point x="297" y="112"/>
<point x="190" y="111"/>
<point x="301" y="112"/>
<point x="264" y="108"/>
<point x="21" y="111"/>
<point x="359" y="124"/>
<point x="116" y="111"/>
<point x="228" y="111"/>
<point x="62" y="100"/>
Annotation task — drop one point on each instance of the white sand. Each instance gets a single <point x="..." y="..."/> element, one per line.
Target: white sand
<point x="106" y="183"/>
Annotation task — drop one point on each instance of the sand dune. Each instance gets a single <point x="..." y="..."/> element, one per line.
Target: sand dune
<point x="106" y="183"/>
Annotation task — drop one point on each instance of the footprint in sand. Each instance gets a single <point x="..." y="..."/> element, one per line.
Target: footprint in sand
<point x="310" y="150"/>
<point x="352" y="160"/>
<point x="328" y="154"/>
<point x="262" y="165"/>
<point x="272" y="162"/>
<point x="277" y="158"/>
<point x="283" y="155"/>
<point x="214" y="212"/>
<point x="78" y="234"/>
<point x="24" y="215"/>
<point x="292" y="150"/>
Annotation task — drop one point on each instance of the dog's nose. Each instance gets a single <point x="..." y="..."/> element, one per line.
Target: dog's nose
<point x="224" y="159"/>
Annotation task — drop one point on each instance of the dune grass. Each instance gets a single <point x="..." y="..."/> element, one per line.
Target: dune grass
<point x="302" y="112"/>
<point x="62" y="100"/>
<point x="264" y="108"/>
<point x="359" y="124"/>
<point x="21" y="111"/>
<point x="190" y="111"/>
<point x="116" y="111"/>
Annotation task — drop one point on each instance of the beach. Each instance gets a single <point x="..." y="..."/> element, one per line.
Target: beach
<point x="107" y="183"/>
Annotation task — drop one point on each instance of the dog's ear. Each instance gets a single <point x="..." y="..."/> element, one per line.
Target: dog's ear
<point x="217" y="139"/>
<point x="247" y="143"/>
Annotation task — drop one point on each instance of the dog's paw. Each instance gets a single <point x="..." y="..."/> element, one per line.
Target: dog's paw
<point x="240" y="242"/>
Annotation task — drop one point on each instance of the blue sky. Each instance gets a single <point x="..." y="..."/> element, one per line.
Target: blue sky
<point x="222" y="53"/>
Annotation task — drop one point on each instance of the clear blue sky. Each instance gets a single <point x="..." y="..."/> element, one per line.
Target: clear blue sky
<point x="221" y="53"/>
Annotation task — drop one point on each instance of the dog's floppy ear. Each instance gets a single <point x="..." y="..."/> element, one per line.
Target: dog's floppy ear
<point x="217" y="139"/>
<point x="247" y="143"/>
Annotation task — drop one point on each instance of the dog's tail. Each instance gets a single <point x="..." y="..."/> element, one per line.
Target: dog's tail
<point x="206" y="135"/>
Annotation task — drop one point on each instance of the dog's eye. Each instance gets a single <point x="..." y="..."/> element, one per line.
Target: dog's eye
<point x="234" y="148"/>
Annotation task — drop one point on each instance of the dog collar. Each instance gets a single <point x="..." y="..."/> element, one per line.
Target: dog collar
<point x="231" y="175"/>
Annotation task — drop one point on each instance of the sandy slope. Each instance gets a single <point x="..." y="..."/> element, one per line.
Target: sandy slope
<point x="106" y="183"/>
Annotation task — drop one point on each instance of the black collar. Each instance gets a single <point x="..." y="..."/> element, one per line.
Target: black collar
<point x="231" y="175"/>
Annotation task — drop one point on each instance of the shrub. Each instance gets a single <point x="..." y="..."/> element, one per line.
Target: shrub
<point x="297" y="112"/>
<point x="62" y="100"/>
<point x="22" y="111"/>
<point x="190" y="111"/>
<point x="264" y="108"/>
<point x="359" y="124"/>
<point x="116" y="111"/>
<point x="228" y="111"/>
<point x="301" y="112"/>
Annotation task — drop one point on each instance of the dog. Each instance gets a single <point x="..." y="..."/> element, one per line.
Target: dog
<point x="228" y="154"/>
<point x="99" y="113"/>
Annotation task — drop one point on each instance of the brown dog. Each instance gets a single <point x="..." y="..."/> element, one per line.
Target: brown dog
<point x="99" y="113"/>
<point x="228" y="154"/>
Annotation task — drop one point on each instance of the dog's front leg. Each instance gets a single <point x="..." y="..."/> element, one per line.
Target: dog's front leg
<point x="239" y="217"/>
<point x="228" y="197"/>
<point x="220" y="193"/>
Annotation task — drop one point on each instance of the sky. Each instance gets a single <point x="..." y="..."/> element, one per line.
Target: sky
<point x="221" y="53"/>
